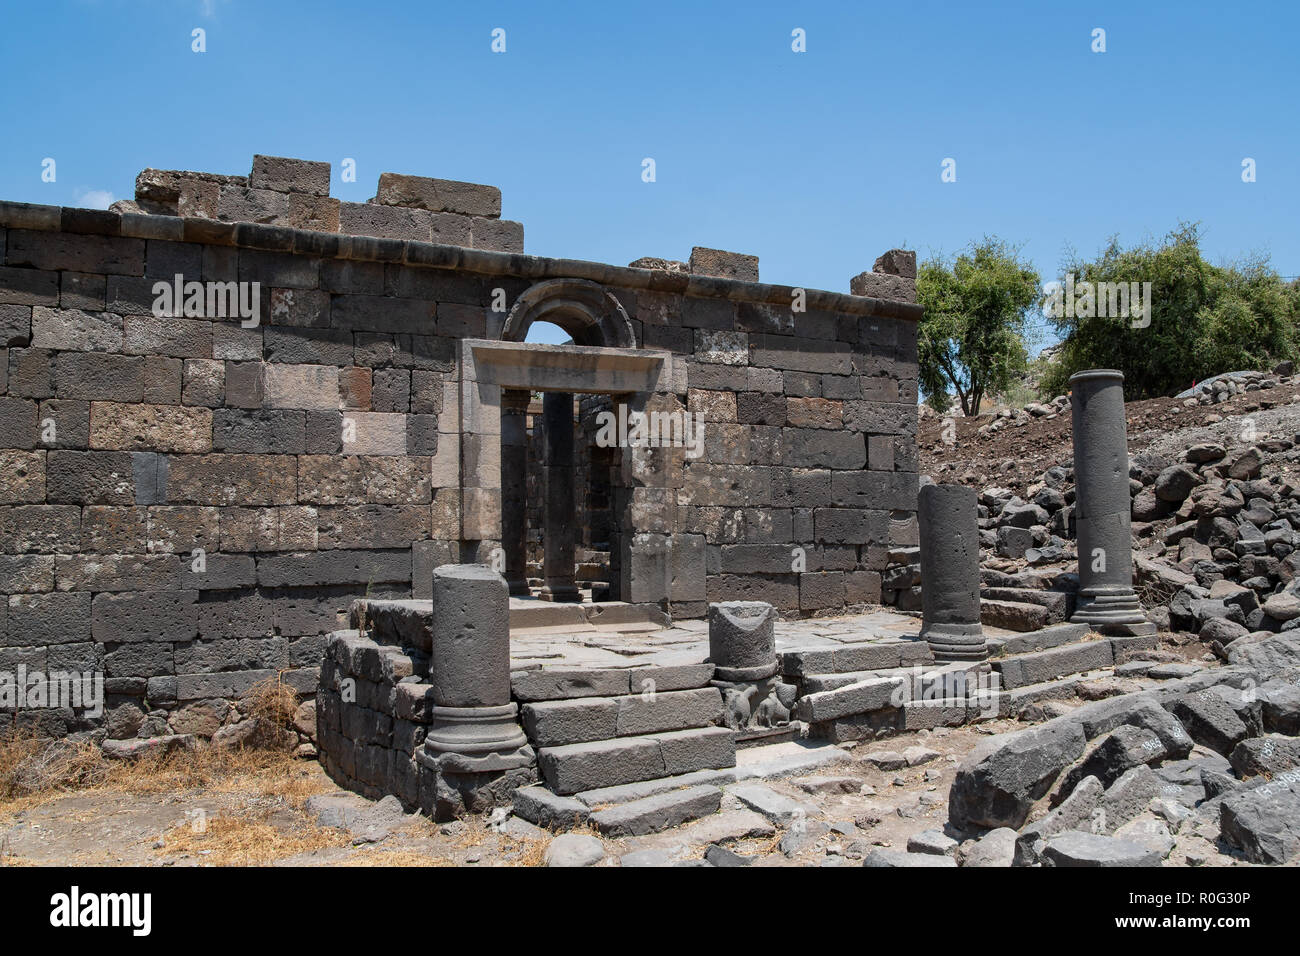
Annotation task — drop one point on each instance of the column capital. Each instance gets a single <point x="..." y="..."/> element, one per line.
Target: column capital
<point x="515" y="400"/>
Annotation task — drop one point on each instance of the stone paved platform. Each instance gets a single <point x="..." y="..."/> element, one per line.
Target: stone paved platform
<point x="638" y="643"/>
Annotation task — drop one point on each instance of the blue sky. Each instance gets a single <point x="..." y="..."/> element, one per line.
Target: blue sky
<point x="817" y="162"/>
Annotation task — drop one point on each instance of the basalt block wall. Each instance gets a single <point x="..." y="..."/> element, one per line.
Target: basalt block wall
<point x="188" y="505"/>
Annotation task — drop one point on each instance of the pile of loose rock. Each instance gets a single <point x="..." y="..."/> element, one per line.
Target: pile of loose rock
<point x="1016" y="417"/>
<point x="1217" y="539"/>
<point x="1206" y="765"/>
<point x="1223" y="387"/>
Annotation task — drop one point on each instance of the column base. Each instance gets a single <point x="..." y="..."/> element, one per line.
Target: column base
<point x="956" y="642"/>
<point x="475" y="740"/>
<point x="560" y="593"/>
<point x="1111" y="608"/>
<point x="519" y="587"/>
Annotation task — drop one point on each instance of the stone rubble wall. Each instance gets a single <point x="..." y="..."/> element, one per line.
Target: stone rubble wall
<point x="369" y="722"/>
<point x="317" y="457"/>
<point x="281" y="191"/>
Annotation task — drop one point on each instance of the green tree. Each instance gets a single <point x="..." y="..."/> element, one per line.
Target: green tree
<point x="1203" y="320"/>
<point x="971" y="341"/>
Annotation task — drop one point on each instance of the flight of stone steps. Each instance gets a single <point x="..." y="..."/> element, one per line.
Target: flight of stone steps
<point x="879" y="688"/>
<point x="629" y="751"/>
<point x="1024" y="609"/>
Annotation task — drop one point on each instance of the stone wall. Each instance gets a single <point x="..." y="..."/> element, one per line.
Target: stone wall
<point x="189" y="505"/>
<point x="369" y="722"/>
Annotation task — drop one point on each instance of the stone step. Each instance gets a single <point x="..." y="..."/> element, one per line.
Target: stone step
<point x="626" y="615"/>
<point x="531" y="612"/>
<point x="657" y="812"/>
<point x="1040" y="666"/>
<point x="573" y="768"/>
<point x="571" y="683"/>
<point x="1012" y="615"/>
<point x="650" y="806"/>
<point x="628" y="792"/>
<point x="1039" y="640"/>
<point x="846" y="658"/>
<point x="1059" y="604"/>
<point x="1012" y="701"/>
<point x="555" y="723"/>
<point x="876" y="693"/>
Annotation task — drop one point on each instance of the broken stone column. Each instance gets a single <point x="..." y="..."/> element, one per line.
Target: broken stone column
<point x="1106" y="598"/>
<point x="475" y="753"/>
<point x="514" y="487"/>
<point x="742" y="648"/>
<point x="950" y="573"/>
<point x="558" y="537"/>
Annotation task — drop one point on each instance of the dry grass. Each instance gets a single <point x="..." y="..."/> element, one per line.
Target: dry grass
<point x="34" y="771"/>
<point x="272" y="701"/>
<point x="534" y="853"/>
<point x="394" y="858"/>
<point x="33" y="765"/>
<point x="250" y="840"/>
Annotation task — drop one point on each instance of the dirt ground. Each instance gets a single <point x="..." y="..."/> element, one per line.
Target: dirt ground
<point x="258" y="815"/>
<point x="1017" y="455"/>
<point x="261" y="811"/>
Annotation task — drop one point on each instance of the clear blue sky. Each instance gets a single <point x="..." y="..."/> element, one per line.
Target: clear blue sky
<point x="816" y="162"/>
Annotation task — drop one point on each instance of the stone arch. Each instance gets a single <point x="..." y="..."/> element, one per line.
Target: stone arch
<point x="584" y="309"/>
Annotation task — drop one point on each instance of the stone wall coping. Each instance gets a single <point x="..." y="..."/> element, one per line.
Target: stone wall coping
<point x="248" y="235"/>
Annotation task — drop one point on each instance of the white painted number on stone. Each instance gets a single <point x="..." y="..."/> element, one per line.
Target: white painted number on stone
<point x="1098" y="40"/>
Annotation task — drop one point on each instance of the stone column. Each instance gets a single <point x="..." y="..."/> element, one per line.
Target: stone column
<point x="742" y="648"/>
<point x="514" y="487"/>
<point x="1101" y="512"/>
<point x="473" y="727"/>
<point x="950" y="573"/>
<point x="742" y="640"/>
<point x="559" y="535"/>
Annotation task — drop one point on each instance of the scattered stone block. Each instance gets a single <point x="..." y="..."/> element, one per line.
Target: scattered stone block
<point x="1078" y="849"/>
<point x="897" y="858"/>
<point x="574" y="849"/>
